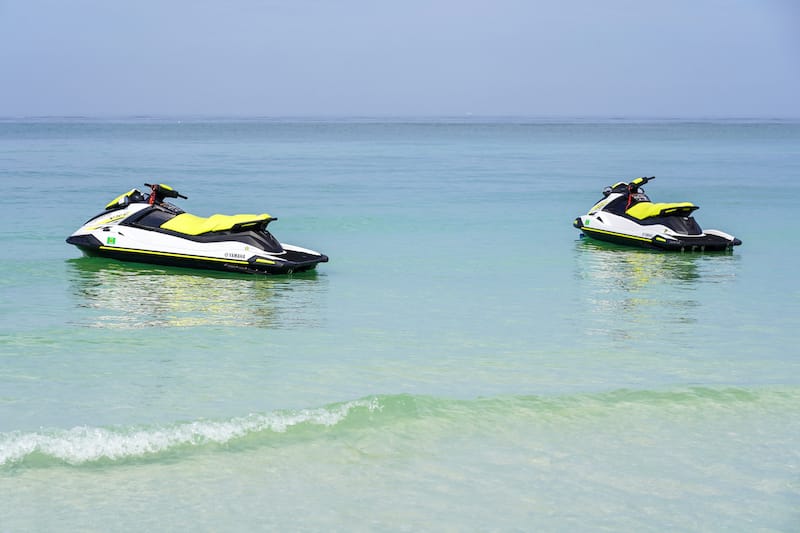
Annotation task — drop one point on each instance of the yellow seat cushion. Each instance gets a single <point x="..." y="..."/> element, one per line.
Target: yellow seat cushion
<point x="644" y="210"/>
<point x="194" y="225"/>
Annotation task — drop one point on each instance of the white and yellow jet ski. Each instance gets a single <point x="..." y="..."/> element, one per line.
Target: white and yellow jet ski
<point x="626" y="215"/>
<point x="146" y="229"/>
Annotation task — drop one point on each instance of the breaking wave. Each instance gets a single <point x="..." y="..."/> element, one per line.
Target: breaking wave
<point x="84" y="445"/>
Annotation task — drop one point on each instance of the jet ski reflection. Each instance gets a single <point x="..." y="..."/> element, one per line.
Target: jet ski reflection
<point x="111" y="294"/>
<point x="641" y="294"/>
<point x="633" y="269"/>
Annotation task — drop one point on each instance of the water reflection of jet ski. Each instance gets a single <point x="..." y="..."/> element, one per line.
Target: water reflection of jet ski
<point x="144" y="228"/>
<point x="626" y="215"/>
<point x="119" y="295"/>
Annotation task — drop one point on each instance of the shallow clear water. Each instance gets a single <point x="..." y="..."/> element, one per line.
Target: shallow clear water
<point x="464" y="362"/>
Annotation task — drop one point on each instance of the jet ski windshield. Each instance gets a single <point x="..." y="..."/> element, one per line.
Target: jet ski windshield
<point x="123" y="200"/>
<point x="158" y="192"/>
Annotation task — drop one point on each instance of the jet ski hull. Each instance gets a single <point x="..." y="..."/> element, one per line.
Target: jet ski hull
<point x="295" y="261"/>
<point x="705" y="242"/>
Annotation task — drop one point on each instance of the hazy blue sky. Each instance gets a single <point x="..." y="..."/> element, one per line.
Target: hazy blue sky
<point x="684" y="58"/>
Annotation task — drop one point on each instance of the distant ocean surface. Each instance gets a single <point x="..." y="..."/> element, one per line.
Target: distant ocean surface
<point x="464" y="362"/>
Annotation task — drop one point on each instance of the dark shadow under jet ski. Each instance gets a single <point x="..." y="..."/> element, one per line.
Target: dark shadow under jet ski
<point x="146" y="229"/>
<point x="626" y="215"/>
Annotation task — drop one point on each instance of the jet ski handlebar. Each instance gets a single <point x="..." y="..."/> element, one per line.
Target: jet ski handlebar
<point x="638" y="182"/>
<point x="161" y="191"/>
<point x="627" y="188"/>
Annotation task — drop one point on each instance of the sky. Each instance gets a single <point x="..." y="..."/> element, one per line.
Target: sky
<point x="537" y="58"/>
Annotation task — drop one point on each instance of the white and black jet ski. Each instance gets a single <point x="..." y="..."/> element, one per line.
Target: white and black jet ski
<point x="626" y="215"/>
<point x="144" y="228"/>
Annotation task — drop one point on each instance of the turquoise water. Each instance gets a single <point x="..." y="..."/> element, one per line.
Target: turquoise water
<point x="465" y="362"/>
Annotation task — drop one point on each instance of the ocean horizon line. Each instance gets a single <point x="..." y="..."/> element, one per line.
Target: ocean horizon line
<point x="395" y="119"/>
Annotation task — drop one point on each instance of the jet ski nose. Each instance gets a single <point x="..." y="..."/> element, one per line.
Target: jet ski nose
<point x="736" y="242"/>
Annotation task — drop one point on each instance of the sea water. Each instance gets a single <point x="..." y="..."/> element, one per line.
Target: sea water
<point x="464" y="362"/>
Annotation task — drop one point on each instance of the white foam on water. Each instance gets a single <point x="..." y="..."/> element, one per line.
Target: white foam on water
<point x="85" y="444"/>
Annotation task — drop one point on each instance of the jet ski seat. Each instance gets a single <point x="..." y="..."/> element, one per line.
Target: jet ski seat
<point x="193" y="225"/>
<point x="643" y="210"/>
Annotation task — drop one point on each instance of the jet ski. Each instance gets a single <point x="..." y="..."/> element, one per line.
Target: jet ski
<point x="625" y="215"/>
<point x="144" y="228"/>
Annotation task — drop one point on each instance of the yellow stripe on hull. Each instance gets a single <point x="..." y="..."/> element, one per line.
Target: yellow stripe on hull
<point x="589" y="230"/>
<point x="167" y="254"/>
